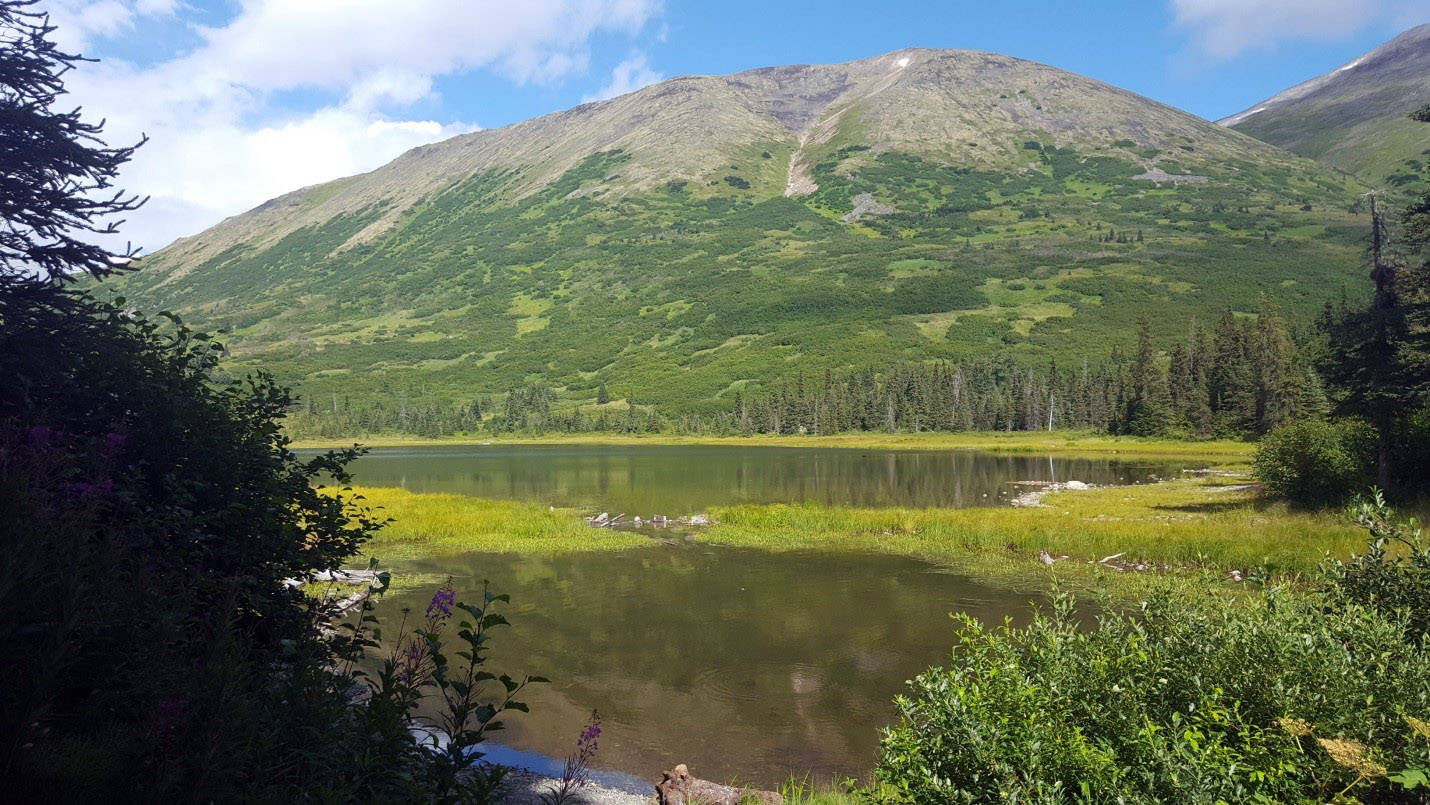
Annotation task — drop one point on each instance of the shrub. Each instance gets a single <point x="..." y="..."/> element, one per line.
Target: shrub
<point x="150" y="517"/>
<point x="1195" y="696"/>
<point x="1314" y="462"/>
<point x="1393" y="575"/>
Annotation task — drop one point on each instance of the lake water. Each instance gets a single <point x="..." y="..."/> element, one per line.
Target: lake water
<point x="749" y="666"/>
<point x="678" y="480"/>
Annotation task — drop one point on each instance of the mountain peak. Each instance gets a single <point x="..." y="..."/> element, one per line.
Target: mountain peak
<point x="1354" y="117"/>
<point x="1400" y="57"/>
<point x="704" y="234"/>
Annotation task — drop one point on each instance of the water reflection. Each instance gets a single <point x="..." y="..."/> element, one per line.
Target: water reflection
<point x="742" y="663"/>
<point x="677" y="480"/>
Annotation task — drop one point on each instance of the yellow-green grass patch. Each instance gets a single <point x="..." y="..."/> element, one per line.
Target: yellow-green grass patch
<point x="1180" y="523"/>
<point x="1062" y="443"/>
<point x="430" y="524"/>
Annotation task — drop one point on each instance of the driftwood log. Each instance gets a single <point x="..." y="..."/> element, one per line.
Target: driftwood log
<point x="678" y="787"/>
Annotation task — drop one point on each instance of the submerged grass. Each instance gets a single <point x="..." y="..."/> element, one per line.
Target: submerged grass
<point x="1184" y="522"/>
<point x="435" y="524"/>
<point x="1061" y="443"/>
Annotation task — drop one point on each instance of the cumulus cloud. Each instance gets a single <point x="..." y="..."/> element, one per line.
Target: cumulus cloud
<point x="78" y="22"/>
<point x="628" y="76"/>
<point x="1226" y="28"/>
<point x="224" y="133"/>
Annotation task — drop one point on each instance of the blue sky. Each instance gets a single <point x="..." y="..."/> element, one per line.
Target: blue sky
<point x="247" y="99"/>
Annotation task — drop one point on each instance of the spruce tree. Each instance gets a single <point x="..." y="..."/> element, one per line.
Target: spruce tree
<point x="56" y="174"/>
<point x="1377" y="356"/>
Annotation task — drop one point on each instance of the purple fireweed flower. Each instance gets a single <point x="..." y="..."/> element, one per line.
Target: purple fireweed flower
<point x="171" y="711"/>
<point x="87" y="489"/>
<point x="442" y="601"/>
<point x="576" y="773"/>
<point x="589" y="735"/>
<point x="40" y="435"/>
<point x="113" y="442"/>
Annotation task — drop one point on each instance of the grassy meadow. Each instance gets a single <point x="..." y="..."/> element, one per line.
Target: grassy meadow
<point x="435" y="524"/>
<point x="1210" y="522"/>
<point x="1215" y="522"/>
<point x="1059" y="443"/>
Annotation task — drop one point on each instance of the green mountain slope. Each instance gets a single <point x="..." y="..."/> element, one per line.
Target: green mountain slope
<point x="1355" y="118"/>
<point x="710" y="233"/>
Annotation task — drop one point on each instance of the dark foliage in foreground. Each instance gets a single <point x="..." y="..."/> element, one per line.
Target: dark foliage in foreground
<point x="155" y="528"/>
<point x="1195" y="696"/>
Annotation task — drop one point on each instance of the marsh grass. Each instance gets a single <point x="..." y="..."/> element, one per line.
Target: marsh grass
<point x="1060" y="443"/>
<point x="1184" y="522"/>
<point x="434" y="524"/>
<point x="1216" y="523"/>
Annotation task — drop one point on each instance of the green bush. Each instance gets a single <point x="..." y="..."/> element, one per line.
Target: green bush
<point x="1393" y="575"/>
<point x="1195" y="696"/>
<point x="150" y="518"/>
<point x="1314" y="463"/>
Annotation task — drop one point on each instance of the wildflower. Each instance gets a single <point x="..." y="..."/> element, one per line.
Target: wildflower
<point x="577" y="773"/>
<point x="592" y="731"/>
<point x="442" y="601"/>
<point x="113" y="442"/>
<point x="171" y="712"/>
<point x="86" y="489"/>
<point x="1352" y="755"/>
<point x="1420" y="726"/>
<point x="40" y="435"/>
<point x="1295" y="726"/>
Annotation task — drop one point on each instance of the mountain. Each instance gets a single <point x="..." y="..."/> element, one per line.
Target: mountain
<point x="1356" y="117"/>
<point x="711" y="233"/>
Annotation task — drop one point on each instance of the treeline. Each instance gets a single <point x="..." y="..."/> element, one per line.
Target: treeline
<point x="525" y="409"/>
<point x="1245" y="376"/>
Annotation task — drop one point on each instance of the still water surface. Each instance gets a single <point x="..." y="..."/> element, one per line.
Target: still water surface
<point x="682" y="479"/>
<point x="747" y="665"/>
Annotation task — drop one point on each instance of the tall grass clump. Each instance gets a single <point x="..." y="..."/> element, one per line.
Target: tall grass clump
<point x="1192" y="696"/>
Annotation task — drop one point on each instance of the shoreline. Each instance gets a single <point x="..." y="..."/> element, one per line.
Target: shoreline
<point x="1061" y="443"/>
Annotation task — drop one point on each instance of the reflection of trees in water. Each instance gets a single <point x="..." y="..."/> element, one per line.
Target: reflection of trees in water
<point x="731" y="660"/>
<point x="681" y="480"/>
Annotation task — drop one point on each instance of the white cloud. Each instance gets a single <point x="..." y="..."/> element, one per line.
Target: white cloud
<point x="222" y="142"/>
<point x="80" y="21"/>
<point x="628" y="76"/>
<point x="1226" y="28"/>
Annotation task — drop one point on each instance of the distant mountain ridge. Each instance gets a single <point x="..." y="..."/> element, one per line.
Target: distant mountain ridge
<point x="712" y="233"/>
<point x="676" y="129"/>
<point x="1355" y="117"/>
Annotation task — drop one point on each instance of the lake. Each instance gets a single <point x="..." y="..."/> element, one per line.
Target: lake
<point x="682" y="479"/>
<point x="747" y="665"/>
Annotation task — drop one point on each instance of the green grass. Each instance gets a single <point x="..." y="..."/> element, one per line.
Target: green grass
<point x="1179" y="523"/>
<point x="1184" y="523"/>
<point x="437" y="524"/>
<point x="1061" y="443"/>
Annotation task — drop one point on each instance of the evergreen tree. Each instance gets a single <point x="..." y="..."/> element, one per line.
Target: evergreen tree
<point x="56" y="175"/>
<point x="1377" y="356"/>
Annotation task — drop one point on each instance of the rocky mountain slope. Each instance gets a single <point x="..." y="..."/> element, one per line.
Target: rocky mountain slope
<point x="1355" y="117"/>
<point x="714" y="232"/>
